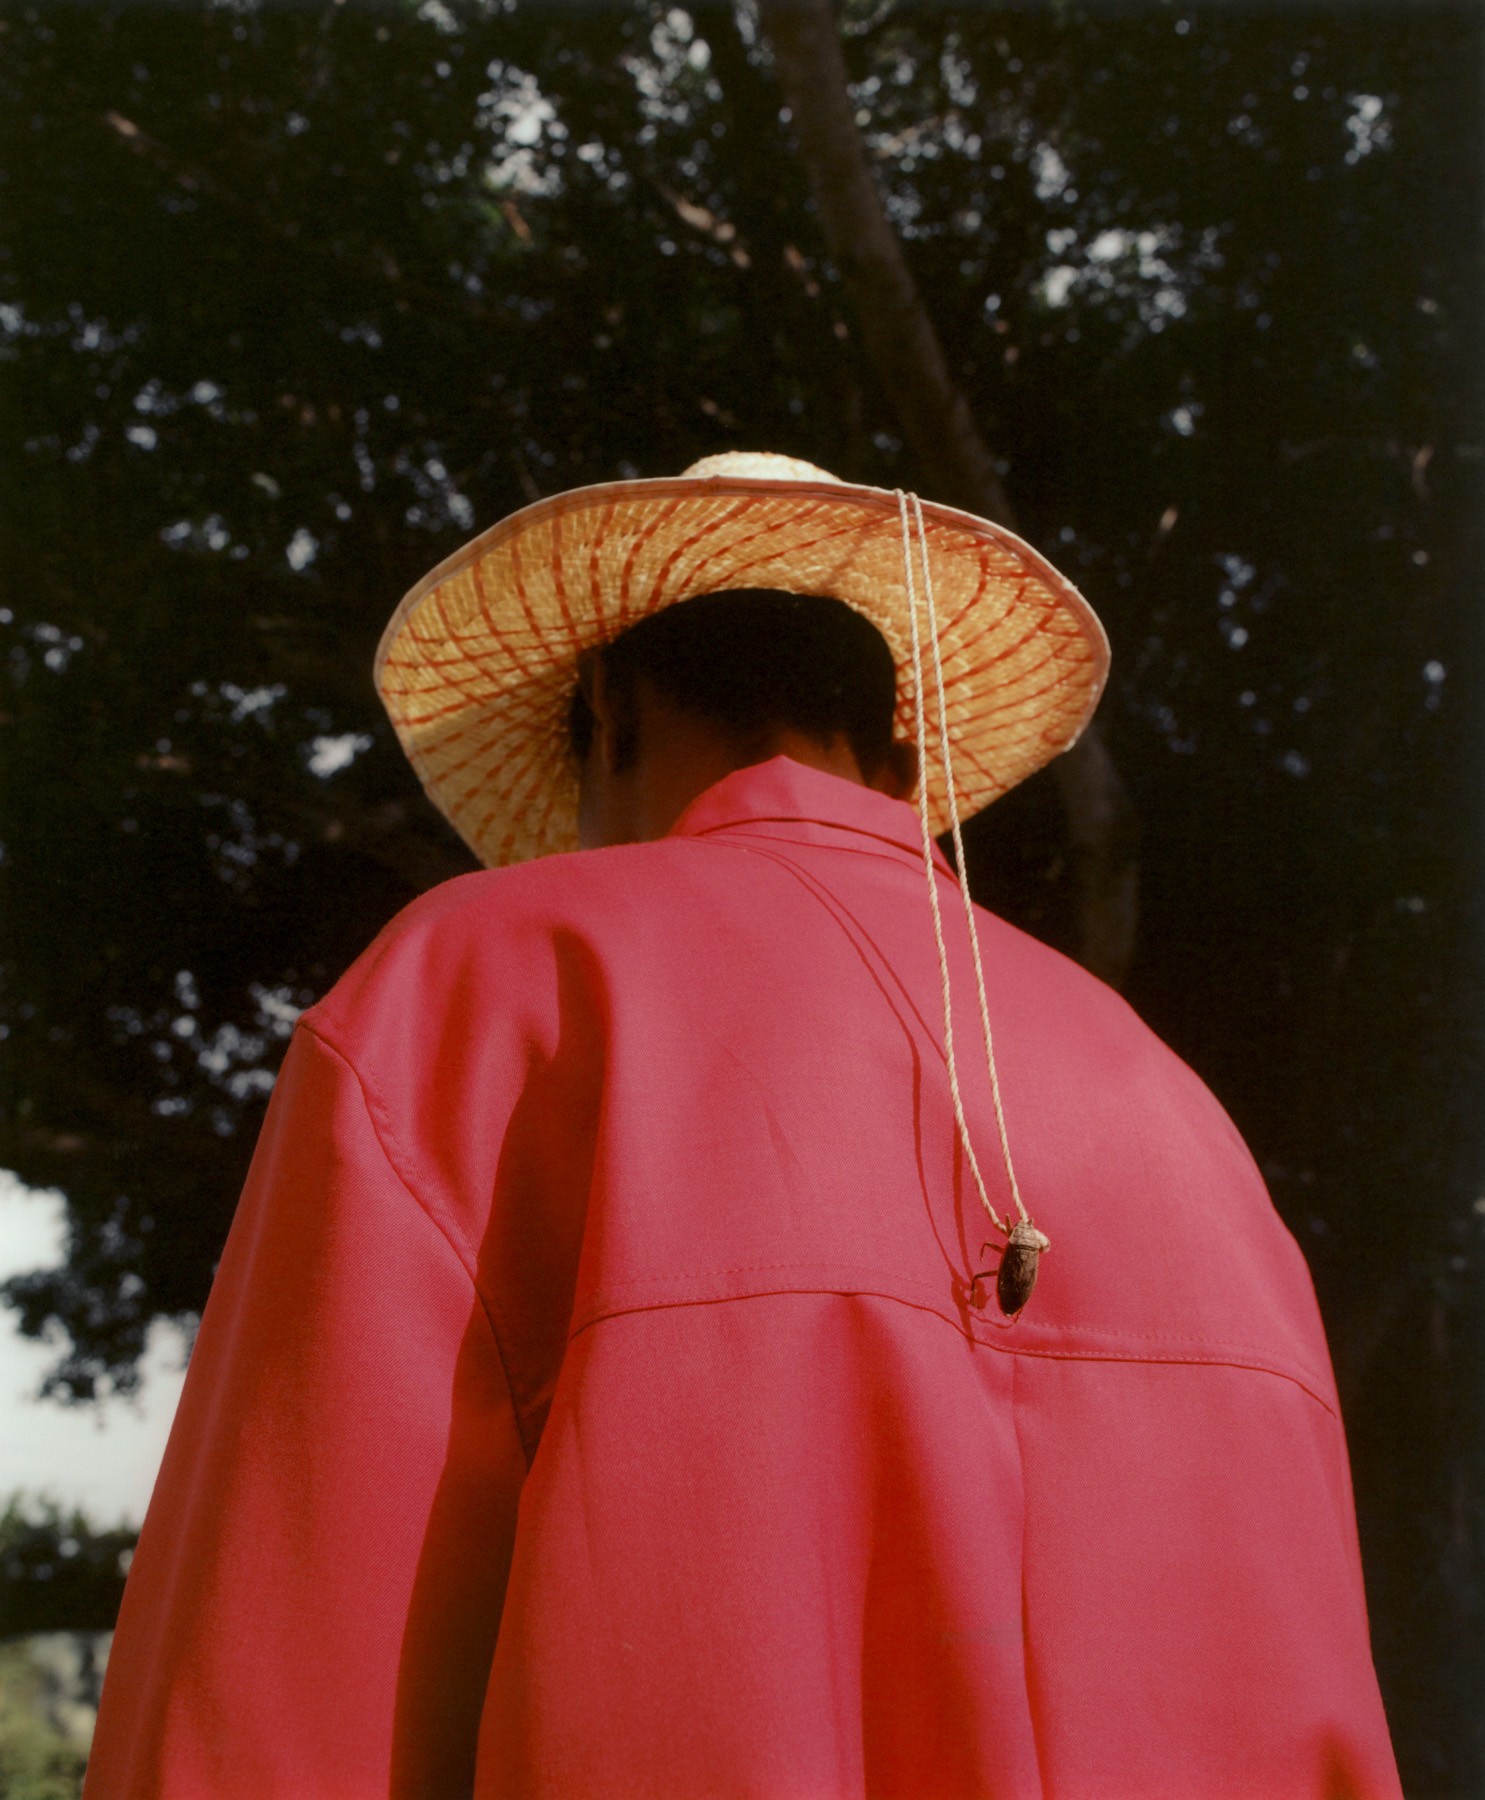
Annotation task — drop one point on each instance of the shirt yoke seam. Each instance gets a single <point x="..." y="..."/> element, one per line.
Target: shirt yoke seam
<point x="1213" y="1357"/>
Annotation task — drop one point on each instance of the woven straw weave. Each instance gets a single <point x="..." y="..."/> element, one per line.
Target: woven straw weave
<point x="477" y="666"/>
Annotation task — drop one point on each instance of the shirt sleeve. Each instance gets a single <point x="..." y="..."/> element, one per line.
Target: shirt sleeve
<point x="316" y="1595"/>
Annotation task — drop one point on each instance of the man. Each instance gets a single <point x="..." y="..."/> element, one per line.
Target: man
<point x="610" y="1386"/>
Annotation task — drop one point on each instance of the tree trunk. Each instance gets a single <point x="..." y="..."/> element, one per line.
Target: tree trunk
<point x="958" y="468"/>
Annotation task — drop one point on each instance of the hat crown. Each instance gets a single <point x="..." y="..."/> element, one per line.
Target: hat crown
<point x="756" y="465"/>
<point x="478" y="664"/>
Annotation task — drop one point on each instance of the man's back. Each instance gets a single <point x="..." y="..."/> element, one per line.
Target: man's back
<point x="612" y="1389"/>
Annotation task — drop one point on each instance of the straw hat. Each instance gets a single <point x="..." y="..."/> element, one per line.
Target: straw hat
<point x="478" y="664"/>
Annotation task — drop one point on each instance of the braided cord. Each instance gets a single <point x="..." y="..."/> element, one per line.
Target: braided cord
<point x="969" y="916"/>
<point x="920" y="714"/>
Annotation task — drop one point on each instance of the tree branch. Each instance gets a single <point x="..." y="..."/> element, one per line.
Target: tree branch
<point x="904" y="350"/>
<point x="895" y="327"/>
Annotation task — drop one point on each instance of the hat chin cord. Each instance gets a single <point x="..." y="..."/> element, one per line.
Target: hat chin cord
<point x="1024" y="1234"/>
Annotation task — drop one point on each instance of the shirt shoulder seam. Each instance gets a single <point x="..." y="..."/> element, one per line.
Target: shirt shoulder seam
<point x="386" y="1142"/>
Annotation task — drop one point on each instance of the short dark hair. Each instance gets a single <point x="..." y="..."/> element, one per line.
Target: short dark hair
<point x="750" y="660"/>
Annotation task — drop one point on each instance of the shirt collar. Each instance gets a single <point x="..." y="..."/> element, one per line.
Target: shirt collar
<point x="784" y="792"/>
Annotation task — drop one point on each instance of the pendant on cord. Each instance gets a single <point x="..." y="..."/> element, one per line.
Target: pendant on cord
<point x="1016" y="1275"/>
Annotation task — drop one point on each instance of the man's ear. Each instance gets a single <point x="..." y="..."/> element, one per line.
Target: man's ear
<point x="897" y="775"/>
<point x="593" y="679"/>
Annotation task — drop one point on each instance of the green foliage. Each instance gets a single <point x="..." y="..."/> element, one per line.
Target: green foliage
<point x="58" y="1570"/>
<point x="49" y="1687"/>
<point x="37" y="1762"/>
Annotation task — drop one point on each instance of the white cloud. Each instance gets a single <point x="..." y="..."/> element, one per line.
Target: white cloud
<point x="1368" y="125"/>
<point x="523" y="126"/>
<point x="251" y="703"/>
<point x="1058" y="284"/>
<point x="1153" y="269"/>
<point x="33" y="1226"/>
<point x="101" y="1457"/>
<point x="302" y="549"/>
<point x="1049" y="171"/>
<point x="328" y="755"/>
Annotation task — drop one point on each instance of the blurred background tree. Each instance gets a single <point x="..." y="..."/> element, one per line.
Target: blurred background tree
<point x="294" y="299"/>
<point x="61" y="1580"/>
<point x="59" y="1570"/>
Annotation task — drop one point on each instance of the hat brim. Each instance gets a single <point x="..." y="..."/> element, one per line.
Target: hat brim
<point x="477" y="666"/>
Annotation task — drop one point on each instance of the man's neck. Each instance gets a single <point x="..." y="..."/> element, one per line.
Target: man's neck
<point x="682" y="756"/>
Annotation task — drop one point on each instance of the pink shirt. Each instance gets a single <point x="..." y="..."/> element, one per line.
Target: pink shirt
<point x="591" y="1401"/>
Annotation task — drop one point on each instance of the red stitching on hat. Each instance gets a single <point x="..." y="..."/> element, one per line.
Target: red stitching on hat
<point x="600" y="537"/>
<point x="559" y="580"/>
<point x="662" y="516"/>
<point x="504" y="638"/>
<point x="853" y="529"/>
<point x="735" y="543"/>
<point x="709" y="529"/>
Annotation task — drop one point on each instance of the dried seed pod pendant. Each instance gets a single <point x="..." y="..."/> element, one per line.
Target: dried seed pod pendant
<point x="1019" y="1260"/>
<point x="1016" y="1275"/>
